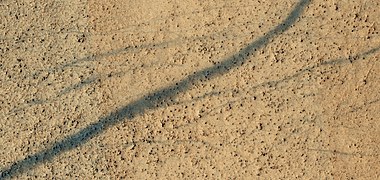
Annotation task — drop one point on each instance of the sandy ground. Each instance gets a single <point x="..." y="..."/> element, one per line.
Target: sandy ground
<point x="163" y="89"/>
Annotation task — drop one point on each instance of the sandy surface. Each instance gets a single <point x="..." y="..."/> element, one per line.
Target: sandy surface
<point x="218" y="89"/>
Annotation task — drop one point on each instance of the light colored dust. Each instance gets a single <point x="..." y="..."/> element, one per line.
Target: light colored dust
<point x="190" y="89"/>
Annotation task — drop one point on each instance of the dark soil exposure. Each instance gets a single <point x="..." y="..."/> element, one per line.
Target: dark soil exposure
<point x="213" y="89"/>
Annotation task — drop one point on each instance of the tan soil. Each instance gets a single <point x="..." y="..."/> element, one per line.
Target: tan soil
<point x="215" y="89"/>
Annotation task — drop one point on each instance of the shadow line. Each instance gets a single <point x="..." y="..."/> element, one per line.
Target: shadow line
<point x="152" y="100"/>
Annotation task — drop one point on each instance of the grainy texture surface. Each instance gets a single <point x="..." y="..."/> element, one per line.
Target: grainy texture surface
<point x="163" y="89"/>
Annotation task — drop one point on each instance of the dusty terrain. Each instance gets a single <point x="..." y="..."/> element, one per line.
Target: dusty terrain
<point x="162" y="89"/>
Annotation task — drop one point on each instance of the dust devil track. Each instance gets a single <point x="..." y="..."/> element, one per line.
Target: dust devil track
<point x="152" y="100"/>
